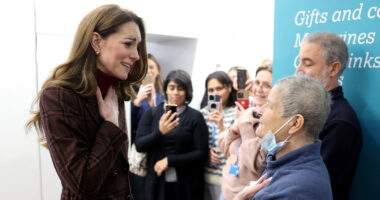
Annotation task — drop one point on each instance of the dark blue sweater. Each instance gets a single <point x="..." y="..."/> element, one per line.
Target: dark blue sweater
<point x="300" y="174"/>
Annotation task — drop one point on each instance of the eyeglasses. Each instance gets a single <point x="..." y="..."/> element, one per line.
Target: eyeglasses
<point x="262" y="85"/>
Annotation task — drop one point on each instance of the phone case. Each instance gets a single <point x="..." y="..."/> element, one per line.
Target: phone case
<point x="148" y="79"/>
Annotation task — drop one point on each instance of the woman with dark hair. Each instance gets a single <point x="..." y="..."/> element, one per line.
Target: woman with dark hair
<point x="81" y="116"/>
<point x="218" y="120"/>
<point x="149" y="94"/>
<point x="176" y="144"/>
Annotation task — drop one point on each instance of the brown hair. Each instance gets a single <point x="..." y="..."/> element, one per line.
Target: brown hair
<point x="235" y="68"/>
<point x="158" y="82"/>
<point x="266" y="65"/>
<point x="78" y="72"/>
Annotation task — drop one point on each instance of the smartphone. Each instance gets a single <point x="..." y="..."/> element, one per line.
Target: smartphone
<point x="213" y="102"/>
<point x="242" y="95"/>
<point x="171" y="107"/>
<point x="241" y="78"/>
<point x="148" y="79"/>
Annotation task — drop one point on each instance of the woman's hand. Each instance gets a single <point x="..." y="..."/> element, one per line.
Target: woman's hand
<point x="214" y="159"/>
<point x="109" y="106"/>
<point x="144" y="93"/>
<point x="161" y="166"/>
<point x="217" y="118"/>
<point x="152" y="98"/>
<point x="248" y="85"/>
<point x="239" y="109"/>
<point x="252" y="190"/>
<point x="168" y="122"/>
<point x="246" y="116"/>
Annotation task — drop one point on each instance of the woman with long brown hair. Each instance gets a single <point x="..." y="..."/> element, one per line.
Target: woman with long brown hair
<point x="81" y="116"/>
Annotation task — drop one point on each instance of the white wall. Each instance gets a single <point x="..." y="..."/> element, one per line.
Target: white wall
<point x="19" y="158"/>
<point x="177" y="53"/>
<point x="227" y="32"/>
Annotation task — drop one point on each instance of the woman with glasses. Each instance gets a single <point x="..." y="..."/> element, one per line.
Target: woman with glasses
<point x="262" y="84"/>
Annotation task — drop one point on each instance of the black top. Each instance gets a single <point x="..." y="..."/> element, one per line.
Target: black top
<point x="186" y="147"/>
<point x="341" y="144"/>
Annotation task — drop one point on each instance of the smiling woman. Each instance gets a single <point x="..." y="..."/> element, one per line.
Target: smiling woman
<point x="82" y="117"/>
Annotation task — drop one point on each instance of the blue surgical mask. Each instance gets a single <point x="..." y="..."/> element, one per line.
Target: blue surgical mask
<point x="268" y="142"/>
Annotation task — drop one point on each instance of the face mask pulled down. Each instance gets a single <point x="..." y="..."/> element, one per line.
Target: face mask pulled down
<point x="268" y="142"/>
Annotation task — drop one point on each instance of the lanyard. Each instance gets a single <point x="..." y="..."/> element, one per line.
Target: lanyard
<point x="214" y="128"/>
<point x="238" y="152"/>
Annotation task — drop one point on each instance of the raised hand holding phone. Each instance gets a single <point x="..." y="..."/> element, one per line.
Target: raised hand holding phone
<point x="169" y="119"/>
<point x="242" y="94"/>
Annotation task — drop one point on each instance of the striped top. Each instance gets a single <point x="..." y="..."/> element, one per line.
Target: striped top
<point x="213" y="174"/>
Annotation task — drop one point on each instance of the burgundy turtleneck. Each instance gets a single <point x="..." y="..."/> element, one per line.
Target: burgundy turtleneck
<point x="104" y="81"/>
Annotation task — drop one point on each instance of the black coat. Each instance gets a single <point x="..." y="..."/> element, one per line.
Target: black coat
<point x="186" y="147"/>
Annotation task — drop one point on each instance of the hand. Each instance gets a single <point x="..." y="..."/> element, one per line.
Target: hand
<point x="217" y="117"/>
<point x="167" y="122"/>
<point x="234" y="129"/>
<point x="239" y="109"/>
<point x="248" y="85"/>
<point x="161" y="166"/>
<point x="109" y="107"/>
<point x="246" y="116"/>
<point x="251" y="191"/>
<point x="152" y="98"/>
<point x="214" y="159"/>
<point x="144" y="93"/>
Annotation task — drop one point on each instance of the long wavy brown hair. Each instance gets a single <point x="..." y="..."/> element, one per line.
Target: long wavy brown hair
<point x="78" y="72"/>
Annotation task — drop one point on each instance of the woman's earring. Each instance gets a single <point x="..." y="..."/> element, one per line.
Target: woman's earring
<point x="97" y="52"/>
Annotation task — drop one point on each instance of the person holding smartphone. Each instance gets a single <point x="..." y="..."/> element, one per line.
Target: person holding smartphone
<point x="149" y="94"/>
<point x="242" y="84"/>
<point x="176" y="143"/>
<point x="217" y="83"/>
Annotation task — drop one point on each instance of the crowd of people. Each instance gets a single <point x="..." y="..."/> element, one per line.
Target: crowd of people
<point x="298" y="140"/>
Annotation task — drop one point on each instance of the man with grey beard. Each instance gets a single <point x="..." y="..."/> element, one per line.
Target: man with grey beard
<point x="323" y="57"/>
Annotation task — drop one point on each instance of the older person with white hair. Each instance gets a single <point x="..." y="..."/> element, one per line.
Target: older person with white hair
<point x="290" y="122"/>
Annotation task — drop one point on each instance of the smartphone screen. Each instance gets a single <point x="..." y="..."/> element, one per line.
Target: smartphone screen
<point x="242" y="95"/>
<point x="171" y="107"/>
<point x="241" y="78"/>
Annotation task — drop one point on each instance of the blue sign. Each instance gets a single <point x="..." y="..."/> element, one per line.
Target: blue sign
<point x="358" y="23"/>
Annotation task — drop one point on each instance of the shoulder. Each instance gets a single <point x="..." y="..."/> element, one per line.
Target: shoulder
<point x="193" y="112"/>
<point x="57" y="98"/>
<point x="158" y="110"/>
<point x="308" y="178"/>
<point x="204" y="111"/>
<point x="58" y="94"/>
<point x="342" y="112"/>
